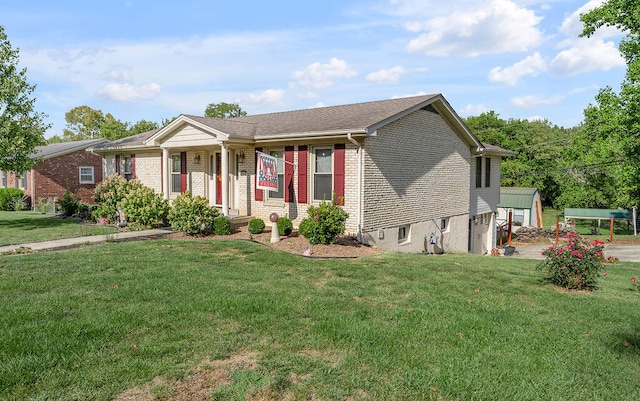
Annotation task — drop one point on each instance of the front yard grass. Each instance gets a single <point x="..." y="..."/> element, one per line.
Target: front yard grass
<point x="23" y="227"/>
<point x="90" y="323"/>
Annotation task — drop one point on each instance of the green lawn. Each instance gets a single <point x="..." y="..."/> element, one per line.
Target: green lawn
<point x="22" y="227"/>
<point x="89" y="323"/>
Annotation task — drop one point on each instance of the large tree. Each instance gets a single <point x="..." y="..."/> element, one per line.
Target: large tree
<point x="224" y="110"/>
<point x="610" y="139"/>
<point x="21" y="128"/>
<point x="83" y="122"/>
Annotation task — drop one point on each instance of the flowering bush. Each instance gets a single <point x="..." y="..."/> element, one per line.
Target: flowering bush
<point x="192" y="215"/>
<point x="635" y="284"/>
<point x="575" y="265"/>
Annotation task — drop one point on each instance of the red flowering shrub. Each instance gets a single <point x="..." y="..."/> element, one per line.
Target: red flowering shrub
<point x="635" y="284"/>
<point x="574" y="265"/>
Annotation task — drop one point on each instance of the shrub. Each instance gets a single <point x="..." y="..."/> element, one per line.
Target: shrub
<point x="144" y="207"/>
<point x="256" y="226"/>
<point x="192" y="215"/>
<point x="19" y="203"/>
<point x="284" y="226"/>
<point x="69" y="204"/>
<point x="45" y="205"/>
<point x="110" y="192"/>
<point x="324" y="224"/>
<point x="575" y="265"/>
<point x="7" y="195"/>
<point x="222" y="226"/>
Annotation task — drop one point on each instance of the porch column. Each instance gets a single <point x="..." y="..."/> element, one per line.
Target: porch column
<point x="165" y="173"/>
<point x="225" y="179"/>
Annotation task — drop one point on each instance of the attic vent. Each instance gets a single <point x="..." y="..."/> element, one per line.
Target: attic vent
<point x="430" y="108"/>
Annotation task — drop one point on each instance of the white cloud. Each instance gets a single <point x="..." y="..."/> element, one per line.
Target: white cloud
<point x="587" y="55"/>
<point x="473" y="109"/>
<point x="498" y="27"/>
<point x="319" y="75"/>
<point x="390" y="75"/>
<point x="531" y="65"/>
<point x="572" y="26"/>
<point x="533" y="101"/>
<point x="125" y="92"/>
<point x="269" y="96"/>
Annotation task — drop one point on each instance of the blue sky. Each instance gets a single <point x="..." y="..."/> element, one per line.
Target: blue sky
<point x="152" y="60"/>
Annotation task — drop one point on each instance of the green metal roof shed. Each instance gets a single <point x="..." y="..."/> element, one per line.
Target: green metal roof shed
<point x="517" y="198"/>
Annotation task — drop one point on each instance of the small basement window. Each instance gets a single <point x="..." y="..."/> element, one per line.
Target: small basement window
<point x="403" y="234"/>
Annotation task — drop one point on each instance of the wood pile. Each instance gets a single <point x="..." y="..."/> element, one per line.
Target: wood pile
<point x="533" y="234"/>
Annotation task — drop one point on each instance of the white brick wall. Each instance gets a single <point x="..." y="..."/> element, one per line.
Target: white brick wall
<point x="416" y="171"/>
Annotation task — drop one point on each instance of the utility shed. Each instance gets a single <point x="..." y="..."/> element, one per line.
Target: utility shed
<point x="523" y="203"/>
<point x="598" y="215"/>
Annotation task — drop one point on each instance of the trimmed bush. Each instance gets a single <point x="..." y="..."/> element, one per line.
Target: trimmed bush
<point x="192" y="215"/>
<point x="222" y="226"/>
<point x="7" y="195"/>
<point x="256" y="226"/>
<point x="144" y="207"/>
<point x="324" y="224"/>
<point x="284" y="226"/>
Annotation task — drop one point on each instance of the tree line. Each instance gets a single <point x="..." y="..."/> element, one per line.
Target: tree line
<point x="596" y="164"/>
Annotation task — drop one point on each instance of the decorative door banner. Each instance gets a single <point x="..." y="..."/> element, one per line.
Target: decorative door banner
<point x="267" y="172"/>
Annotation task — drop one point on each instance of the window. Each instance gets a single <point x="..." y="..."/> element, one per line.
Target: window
<point x="487" y="172"/>
<point x="403" y="234"/>
<point x="444" y="223"/>
<point x="86" y="175"/>
<point x="175" y="172"/>
<point x="323" y="174"/>
<point x="518" y="217"/>
<point x="24" y="181"/>
<point x="279" y="194"/>
<point x="126" y="167"/>
<point x="479" y="172"/>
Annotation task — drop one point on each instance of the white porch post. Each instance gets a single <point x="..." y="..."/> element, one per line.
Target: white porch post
<point x="165" y="173"/>
<point x="225" y="179"/>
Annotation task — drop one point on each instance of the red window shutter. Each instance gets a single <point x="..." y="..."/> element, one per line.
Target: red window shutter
<point x="289" y="193"/>
<point x="118" y="164"/>
<point x="258" y="192"/>
<point x="183" y="172"/>
<point x="303" y="166"/>
<point x="338" y="173"/>
<point x="133" y="166"/>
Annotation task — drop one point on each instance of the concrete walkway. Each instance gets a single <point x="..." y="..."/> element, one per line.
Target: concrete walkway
<point x="626" y="253"/>
<point x="78" y="241"/>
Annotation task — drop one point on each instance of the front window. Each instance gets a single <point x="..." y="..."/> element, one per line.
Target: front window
<point x="279" y="155"/>
<point x="175" y="173"/>
<point x="487" y="173"/>
<point x="478" y="172"/>
<point x="323" y="174"/>
<point x="126" y="167"/>
<point x="86" y="175"/>
<point x="24" y="181"/>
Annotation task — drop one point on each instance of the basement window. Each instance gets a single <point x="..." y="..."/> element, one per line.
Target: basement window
<point x="403" y="234"/>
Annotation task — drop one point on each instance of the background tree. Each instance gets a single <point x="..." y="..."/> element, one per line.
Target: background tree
<point x="142" y="126"/>
<point x="83" y="122"/>
<point x="111" y="128"/>
<point x="21" y="128"/>
<point x="224" y="110"/>
<point x="610" y="138"/>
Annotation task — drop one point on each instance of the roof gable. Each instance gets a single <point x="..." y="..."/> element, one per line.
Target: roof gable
<point x="517" y="198"/>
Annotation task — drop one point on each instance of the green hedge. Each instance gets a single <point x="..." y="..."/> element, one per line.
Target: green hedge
<point x="7" y="196"/>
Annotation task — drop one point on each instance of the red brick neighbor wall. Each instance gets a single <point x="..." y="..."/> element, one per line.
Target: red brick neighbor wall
<point x="51" y="177"/>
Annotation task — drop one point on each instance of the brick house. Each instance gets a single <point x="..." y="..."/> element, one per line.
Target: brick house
<point x="62" y="165"/>
<point x="402" y="168"/>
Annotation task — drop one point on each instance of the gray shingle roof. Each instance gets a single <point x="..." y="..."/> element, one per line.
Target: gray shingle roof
<point x="128" y="142"/>
<point x="62" y="148"/>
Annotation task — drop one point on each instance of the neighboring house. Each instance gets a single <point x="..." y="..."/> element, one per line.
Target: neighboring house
<point x="524" y="205"/>
<point x="402" y="168"/>
<point x="61" y="166"/>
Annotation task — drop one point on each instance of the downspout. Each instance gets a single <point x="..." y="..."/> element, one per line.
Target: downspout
<point x="359" y="207"/>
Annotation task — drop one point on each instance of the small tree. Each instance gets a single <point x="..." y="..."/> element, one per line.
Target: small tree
<point x="21" y="128"/>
